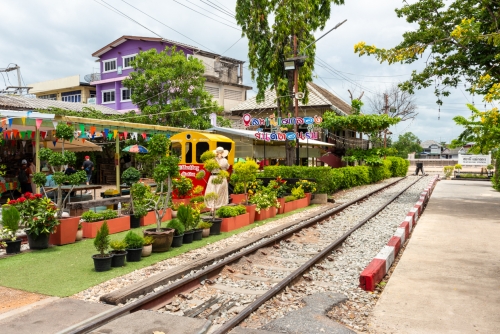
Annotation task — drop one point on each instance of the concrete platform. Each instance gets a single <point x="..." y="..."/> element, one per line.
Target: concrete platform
<point x="49" y="318"/>
<point x="447" y="280"/>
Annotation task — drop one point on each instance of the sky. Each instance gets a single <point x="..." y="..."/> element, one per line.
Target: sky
<point x="55" y="39"/>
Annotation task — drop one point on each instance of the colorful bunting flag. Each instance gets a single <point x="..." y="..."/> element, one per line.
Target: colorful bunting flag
<point x="144" y="135"/>
<point x="82" y="127"/>
<point x="43" y="134"/>
<point x="38" y="123"/>
<point x="10" y="122"/>
<point x="55" y="124"/>
<point x="23" y="119"/>
<point x="125" y="134"/>
<point x="106" y="133"/>
<point x="115" y="133"/>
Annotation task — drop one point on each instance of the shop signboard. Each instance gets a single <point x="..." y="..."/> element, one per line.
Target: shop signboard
<point x="474" y="160"/>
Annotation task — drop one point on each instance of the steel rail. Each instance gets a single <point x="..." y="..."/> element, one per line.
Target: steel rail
<point x="103" y="318"/>
<point x="243" y="314"/>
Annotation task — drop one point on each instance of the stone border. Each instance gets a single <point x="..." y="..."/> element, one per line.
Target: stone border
<point x="382" y="262"/>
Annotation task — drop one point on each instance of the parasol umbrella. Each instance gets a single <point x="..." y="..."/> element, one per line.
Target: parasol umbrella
<point x="239" y="160"/>
<point x="135" y="149"/>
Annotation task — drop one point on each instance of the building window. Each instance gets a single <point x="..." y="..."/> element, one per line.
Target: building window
<point x="231" y="94"/>
<point x="109" y="65"/>
<point x="92" y="94"/>
<point x="127" y="60"/>
<point x="108" y="96"/>
<point x="126" y="94"/>
<point x="72" y="98"/>
<point x="214" y="91"/>
<point x="48" y="97"/>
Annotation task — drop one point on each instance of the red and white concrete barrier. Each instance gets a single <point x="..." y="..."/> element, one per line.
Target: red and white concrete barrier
<point x="380" y="265"/>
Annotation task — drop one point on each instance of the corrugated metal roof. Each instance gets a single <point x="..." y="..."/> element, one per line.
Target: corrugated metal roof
<point x="15" y="102"/>
<point x="318" y="97"/>
<point x="428" y="143"/>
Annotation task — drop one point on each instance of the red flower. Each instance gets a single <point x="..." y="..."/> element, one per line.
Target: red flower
<point x="12" y="202"/>
<point x="38" y="195"/>
<point x="21" y="199"/>
<point x="27" y="194"/>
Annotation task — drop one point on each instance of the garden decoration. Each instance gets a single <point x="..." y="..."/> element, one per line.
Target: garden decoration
<point x="38" y="215"/>
<point x="134" y="246"/>
<point x="102" y="261"/>
<point x="216" y="164"/>
<point x="135" y="149"/>
<point x="165" y="170"/>
<point x="10" y="222"/>
<point x="119" y="253"/>
<point x="57" y="161"/>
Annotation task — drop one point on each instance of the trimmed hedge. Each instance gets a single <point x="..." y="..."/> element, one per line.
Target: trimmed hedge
<point x="330" y="180"/>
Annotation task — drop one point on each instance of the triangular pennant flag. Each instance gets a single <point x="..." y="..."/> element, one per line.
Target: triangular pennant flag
<point x="10" y="122"/>
<point x="92" y="130"/>
<point x="22" y="134"/>
<point x="43" y="134"/>
<point x="1" y="129"/>
<point x="114" y="133"/>
<point x="144" y="135"/>
<point x="24" y="143"/>
<point x="82" y="127"/>
<point x="125" y="134"/>
<point x="38" y="122"/>
<point x="31" y="134"/>
<point x="110" y="136"/>
<point x="54" y="142"/>
<point x="106" y="133"/>
<point x="55" y="124"/>
<point x="23" y="119"/>
<point x="3" y="123"/>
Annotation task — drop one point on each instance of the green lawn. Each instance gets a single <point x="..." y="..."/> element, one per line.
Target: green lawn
<point x="65" y="270"/>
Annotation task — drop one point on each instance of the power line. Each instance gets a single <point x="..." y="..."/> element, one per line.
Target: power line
<point x="210" y="12"/>
<point x="220" y="9"/>
<point x="167" y="26"/>
<point x="222" y="5"/>
<point x="194" y="10"/>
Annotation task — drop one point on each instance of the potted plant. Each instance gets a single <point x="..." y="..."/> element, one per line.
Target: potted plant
<point x="134" y="246"/>
<point x="57" y="161"/>
<point x="175" y="207"/>
<point x="299" y="194"/>
<point x="289" y="203"/>
<point x="197" y="204"/>
<point x="185" y="216"/>
<point x="102" y="261"/>
<point x="309" y="188"/>
<point x="178" y="227"/>
<point x="280" y="188"/>
<point x="79" y="232"/>
<point x="10" y="222"/>
<point x="448" y="171"/>
<point x="38" y="215"/>
<point x="119" y="253"/>
<point x="458" y="168"/>
<point x="147" y="248"/>
<point x="265" y="201"/>
<point x="166" y="168"/>
<point x="246" y="173"/>
<point x="182" y="187"/>
<point x="137" y="194"/>
<point x="211" y="198"/>
<point x="238" y="196"/>
<point x="205" y="227"/>
<point x="233" y="217"/>
<point x="91" y="221"/>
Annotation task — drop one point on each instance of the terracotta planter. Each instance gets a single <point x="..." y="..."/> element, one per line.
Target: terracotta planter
<point x="272" y="212"/>
<point x="308" y="196"/>
<point x="79" y="235"/>
<point x="233" y="223"/>
<point x="301" y="203"/>
<point x="251" y="212"/>
<point x="150" y="218"/>
<point x="115" y="225"/>
<point x="281" y="209"/>
<point x="263" y="214"/>
<point x="65" y="232"/>
<point x="237" y="198"/>
<point x="289" y="206"/>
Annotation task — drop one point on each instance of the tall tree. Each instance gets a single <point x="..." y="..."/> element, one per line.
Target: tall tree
<point x="401" y="103"/>
<point x="407" y="143"/>
<point x="270" y="26"/>
<point x="462" y="40"/>
<point x="163" y="83"/>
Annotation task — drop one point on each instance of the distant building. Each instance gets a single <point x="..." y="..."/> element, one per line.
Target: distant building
<point x="69" y="89"/>
<point x="224" y="75"/>
<point x="431" y="149"/>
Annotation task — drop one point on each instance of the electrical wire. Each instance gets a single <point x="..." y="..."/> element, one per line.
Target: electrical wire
<point x="222" y="5"/>
<point x="194" y="10"/>
<point x="211" y="4"/>
<point x="221" y="17"/>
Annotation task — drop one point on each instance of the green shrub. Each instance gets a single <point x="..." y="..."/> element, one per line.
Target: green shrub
<point x="148" y="240"/>
<point x="197" y="199"/>
<point x="204" y="225"/>
<point x="133" y="240"/>
<point x="130" y="176"/>
<point x="298" y="192"/>
<point x="91" y="216"/>
<point x="118" y="245"/>
<point x="177" y="226"/>
<point x="302" y="172"/>
<point x="226" y="212"/>
<point x="185" y="215"/>
<point x="290" y="198"/>
<point x="448" y="170"/>
<point x="240" y="210"/>
<point x="101" y="241"/>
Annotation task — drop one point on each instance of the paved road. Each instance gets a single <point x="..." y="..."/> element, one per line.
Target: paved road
<point x="448" y="280"/>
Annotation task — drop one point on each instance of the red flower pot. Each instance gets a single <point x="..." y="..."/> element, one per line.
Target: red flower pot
<point x="263" y="214"/>
<point x="115" y="225"/>
<point x="65" y="232"/>
<point x="308" y="196"/>
<point x="228" y="224"/>
<point x="281" y="209"/>
<point x="237" y="198"/>
<point x="251" y="212"/>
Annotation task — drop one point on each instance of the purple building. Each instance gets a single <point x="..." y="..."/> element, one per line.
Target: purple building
<point x="224" y="75"/>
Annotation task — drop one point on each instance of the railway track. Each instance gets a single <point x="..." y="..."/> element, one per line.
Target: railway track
<point x="229" y="291"/>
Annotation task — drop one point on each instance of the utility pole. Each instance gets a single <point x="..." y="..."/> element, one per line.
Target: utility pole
<point x="19" y="88"/>
<point x="386" y="111"/>
<point x="295" y="91"/>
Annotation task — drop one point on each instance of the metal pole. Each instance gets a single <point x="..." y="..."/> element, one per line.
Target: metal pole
<point x="37" y="156"/>
<point x="296" y="90"/>
<point x="19" y="90"/>
<point x="386" y="109"/>
<point x="117" y="162"/>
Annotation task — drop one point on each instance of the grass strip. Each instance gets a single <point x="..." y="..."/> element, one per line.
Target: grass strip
<point x="65" y="270"/>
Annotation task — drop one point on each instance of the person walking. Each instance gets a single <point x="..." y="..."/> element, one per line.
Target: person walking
<point x="24" y="177"/>
<point x="420" y="167"/>
<point x="88" y="167"/>
<point x="32" y="168"/>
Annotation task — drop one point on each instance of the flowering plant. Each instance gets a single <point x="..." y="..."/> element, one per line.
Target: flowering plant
<point x="37" y="213"/>
<point x="254" y="187"/>
<point x="264" y="199"/>
<point x="182" y="186"/>
<point x="308" y="186"/>
<point x="279" y="186"/>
